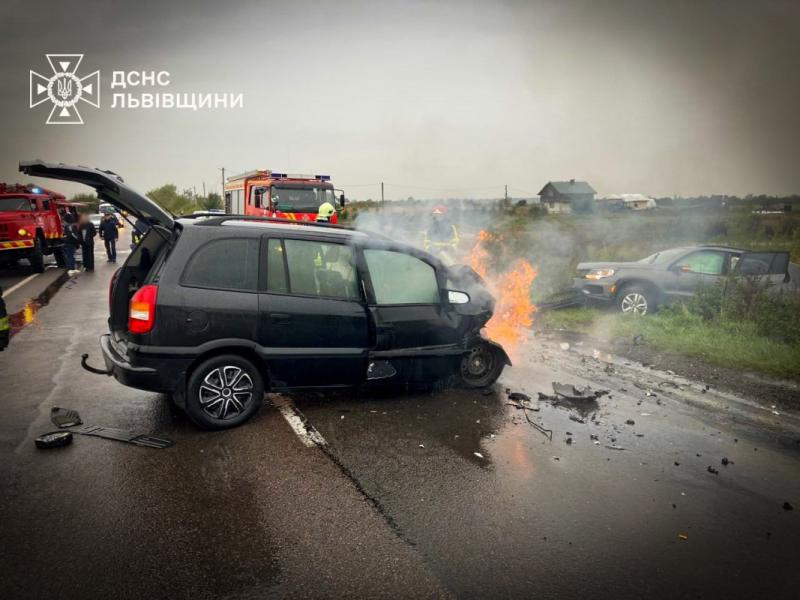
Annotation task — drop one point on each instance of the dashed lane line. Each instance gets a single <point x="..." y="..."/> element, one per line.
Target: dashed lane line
<point x="309" y="436"/>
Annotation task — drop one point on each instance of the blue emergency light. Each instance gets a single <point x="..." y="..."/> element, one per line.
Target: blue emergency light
<point x="323" y="177"/>
<point x="36" y="190"/>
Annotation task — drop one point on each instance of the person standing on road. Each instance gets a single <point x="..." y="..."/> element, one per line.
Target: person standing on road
<point x="109" y="233"/>
<point x="140" y="229"/>
<point x="87" y="232"/>
<point x="71" y="241"/>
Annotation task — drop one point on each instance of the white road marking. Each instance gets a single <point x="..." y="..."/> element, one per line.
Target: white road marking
<point x="19" y="285"/>
<point x="309" y="436"/>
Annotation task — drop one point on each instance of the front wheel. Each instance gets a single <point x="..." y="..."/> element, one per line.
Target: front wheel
<point x="36" y="257"/>
<point x="482" y="366"/>
<point x="635" y="300"/>
<point x="223" y="392"/>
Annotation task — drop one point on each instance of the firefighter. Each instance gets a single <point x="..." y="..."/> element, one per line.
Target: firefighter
<point x="442" y="235"/>
<point x="109" y="233"/>
<point x="71" y="242"/>
<point x="326" y="212"/>
<point x="87" y="232"/>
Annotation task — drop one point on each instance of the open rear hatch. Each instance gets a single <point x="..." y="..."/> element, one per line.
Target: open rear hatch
<point x="142" y="265"/>
<point x="109" y="186"/>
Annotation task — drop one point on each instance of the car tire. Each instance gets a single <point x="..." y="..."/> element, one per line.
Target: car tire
<point x="224" y="391"/>
<point x="36" y="257"/>
<point x="482" y="366"/>
<point x="636" y="300"/>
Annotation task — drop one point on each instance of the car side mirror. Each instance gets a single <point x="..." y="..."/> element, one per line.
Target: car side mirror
<point x="456" y="297"/>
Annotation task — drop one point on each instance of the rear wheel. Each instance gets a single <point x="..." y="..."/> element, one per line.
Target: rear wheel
<point x="636" y="300"/>
<point x="482" y="366"/>
<point x="224" y="391"/>
<point x="36" y="257"/>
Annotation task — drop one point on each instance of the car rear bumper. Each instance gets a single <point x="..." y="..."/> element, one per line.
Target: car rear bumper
<point x="153" y="374"/>
<point x="595" y="291"/>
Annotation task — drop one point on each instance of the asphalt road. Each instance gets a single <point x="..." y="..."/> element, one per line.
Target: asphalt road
<point x="448" y="493"/>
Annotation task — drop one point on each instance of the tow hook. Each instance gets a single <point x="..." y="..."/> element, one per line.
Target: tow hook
<point x="92" y="369"/>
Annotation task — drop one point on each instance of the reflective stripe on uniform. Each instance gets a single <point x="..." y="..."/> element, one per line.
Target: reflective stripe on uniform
<point x="4" y="323"/>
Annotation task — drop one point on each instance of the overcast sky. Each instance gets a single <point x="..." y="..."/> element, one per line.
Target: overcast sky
<point x="434" y="98"/>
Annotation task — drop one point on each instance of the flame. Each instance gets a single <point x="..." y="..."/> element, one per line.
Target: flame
<point x="514" y="310"/>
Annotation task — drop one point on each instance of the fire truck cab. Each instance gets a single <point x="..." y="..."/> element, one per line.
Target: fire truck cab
<point x="31" y="224"/>
<point x="264" y="193"/>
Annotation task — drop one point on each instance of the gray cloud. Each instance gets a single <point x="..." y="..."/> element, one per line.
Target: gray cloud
<point x="448" y="98"/>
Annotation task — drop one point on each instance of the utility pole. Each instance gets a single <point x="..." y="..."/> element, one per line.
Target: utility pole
<point x="505" y="195"/>
<point x="381" y="192"/>
<point x="222" y="190"/>
<point x="204" y="189"/>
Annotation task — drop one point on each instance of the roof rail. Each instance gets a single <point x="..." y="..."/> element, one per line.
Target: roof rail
<point x="218" y="219"/>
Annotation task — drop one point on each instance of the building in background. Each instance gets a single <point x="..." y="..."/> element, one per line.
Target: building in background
<point x="626" y="202"/>
<point x="563" y="197"/>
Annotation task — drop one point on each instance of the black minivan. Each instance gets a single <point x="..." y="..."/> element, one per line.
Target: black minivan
<point x="216" y="310"/>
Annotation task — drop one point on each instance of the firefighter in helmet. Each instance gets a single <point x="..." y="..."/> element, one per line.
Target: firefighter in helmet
<point x="442" y="235"/>
<point x="326" y="212"/>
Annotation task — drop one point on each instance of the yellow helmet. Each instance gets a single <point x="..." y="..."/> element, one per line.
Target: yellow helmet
<point x="326" y="211"/>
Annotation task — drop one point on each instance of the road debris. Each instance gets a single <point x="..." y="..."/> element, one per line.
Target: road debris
<point x="683" y="536"/>
<point x="712" y="470"/>
<point x="524" y="406"/>
<point x="577" y="419"/>
<point x="787" y="506"/>
<point x="630" y="422"/>
<point x="614" y="447"/>
<point x="478" y="454"/>
<point x="725" y="462"/>
<point x="54" y="439"/>
<point x="570" y="392"/>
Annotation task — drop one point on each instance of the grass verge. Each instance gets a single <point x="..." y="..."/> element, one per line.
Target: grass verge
<point x="732" y="345"/>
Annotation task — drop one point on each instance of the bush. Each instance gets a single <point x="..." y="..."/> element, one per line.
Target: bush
<point x="772" y="313"/>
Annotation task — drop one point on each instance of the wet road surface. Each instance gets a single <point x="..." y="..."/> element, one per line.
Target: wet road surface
<point x="394" y="501"/>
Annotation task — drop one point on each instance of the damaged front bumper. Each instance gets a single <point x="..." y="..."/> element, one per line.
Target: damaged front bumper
<point x="595" y="291"/>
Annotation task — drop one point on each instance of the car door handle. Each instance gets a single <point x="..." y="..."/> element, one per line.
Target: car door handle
<point x="280" y="317"/>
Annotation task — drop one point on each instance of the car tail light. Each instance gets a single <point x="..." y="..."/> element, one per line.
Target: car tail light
<point x="142" y="312"/>
<point x="111" y="285"/>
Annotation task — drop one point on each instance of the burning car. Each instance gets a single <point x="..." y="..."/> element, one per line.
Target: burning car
<point x="661" y="278"/>
<point x="218" y="310"/>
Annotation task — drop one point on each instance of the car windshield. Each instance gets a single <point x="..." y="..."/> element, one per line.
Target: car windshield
<point x="11" y="204"/>
<point x="663" y="256"/>
<point x="300" y="199"/>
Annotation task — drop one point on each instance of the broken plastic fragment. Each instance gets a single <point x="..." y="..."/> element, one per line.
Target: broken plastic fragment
<point x="478" y="454"/>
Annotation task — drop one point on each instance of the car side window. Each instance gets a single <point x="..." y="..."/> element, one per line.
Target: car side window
<point x="314" y="269"/>
<point x="227" y="264"/>
<point x="706" y="262"/>
<point x="399" y="278"/>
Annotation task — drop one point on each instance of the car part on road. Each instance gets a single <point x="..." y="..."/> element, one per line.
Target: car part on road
<point x="119" y="435"/>
<point x="525" y="407"/>
<point x="54" y="439"/>
<point x="224" y="391"/>
<point x="570" y="392"/>
<point x="91" y="369"/>
<point x="65" y="417"/>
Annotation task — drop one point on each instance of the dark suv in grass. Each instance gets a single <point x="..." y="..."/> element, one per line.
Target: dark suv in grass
<point x="217" y="309"/>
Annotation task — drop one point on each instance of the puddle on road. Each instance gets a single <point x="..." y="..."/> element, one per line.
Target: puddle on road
<point x="29" y="313"/>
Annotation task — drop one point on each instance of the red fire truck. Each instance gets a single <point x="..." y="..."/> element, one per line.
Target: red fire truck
<point x="31" y="224"/>
<point x="267" y="194"/>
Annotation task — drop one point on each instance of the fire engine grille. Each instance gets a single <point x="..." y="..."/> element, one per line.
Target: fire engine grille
<point x="3" y="231"/>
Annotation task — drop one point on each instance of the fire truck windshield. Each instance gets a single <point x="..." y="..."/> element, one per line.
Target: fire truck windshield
<point x="300" y="199"/>
<point x="11" y="204"/>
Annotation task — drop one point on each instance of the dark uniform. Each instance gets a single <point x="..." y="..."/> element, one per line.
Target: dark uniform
<point x="5" y="327"/>
<point x="109" y="233"/>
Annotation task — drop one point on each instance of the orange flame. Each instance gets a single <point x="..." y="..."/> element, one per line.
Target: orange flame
<point x="514" y="309"/>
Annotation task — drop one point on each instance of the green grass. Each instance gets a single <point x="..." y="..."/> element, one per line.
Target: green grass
<point x="732" y="345"/>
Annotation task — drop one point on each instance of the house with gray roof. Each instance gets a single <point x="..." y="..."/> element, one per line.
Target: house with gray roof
<point x="563" y="197"/>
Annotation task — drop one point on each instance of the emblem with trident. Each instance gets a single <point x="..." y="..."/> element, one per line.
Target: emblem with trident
<point x="64" y="88"/>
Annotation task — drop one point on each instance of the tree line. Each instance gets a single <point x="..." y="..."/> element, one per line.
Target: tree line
<point x="167" y="196"/>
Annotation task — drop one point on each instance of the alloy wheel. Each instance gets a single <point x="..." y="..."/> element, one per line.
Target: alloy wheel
<point x="225" y="392"/>
<point x="634" y="303"/>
